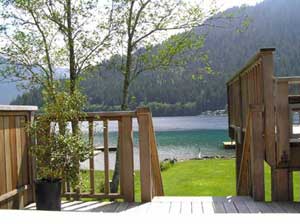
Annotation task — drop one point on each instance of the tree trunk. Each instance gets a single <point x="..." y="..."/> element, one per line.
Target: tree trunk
<point x="72" y="63"/>
<point x="116" y="175"/>
<point x="73" y="74"/>
<point x="124" y="106"/>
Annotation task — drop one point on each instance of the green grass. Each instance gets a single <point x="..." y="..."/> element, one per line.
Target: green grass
<point x="212" y="177"/>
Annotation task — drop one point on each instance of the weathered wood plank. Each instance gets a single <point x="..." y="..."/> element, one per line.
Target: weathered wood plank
<point x="8" y="158"/>
<point x="268" y="93"/>
<point x="257" y="152"/>
<point x="186" y="208"/>
<point x="175" y="207"/>
<point x="159" y="208"/>
<point x="91" y="160"/>
<point x="24" y="145"/>
<point x="197" y="207"/>
<point x="11" y="194"/>
<point x="145" y="154"/>
<point x="251" y="205"/>
<point x="155" y="165"/>
<point x="127" y="166"/>
<point x="241" y="207"/>
<point x="281" y="184"/>
<point x="90" y="206"/>
<point x="122" y="207"/>
<point x="283" y="124"/>
<point x="13" y="148"/>
<point x="263" y="207"/>
<point x="14" y="108"/>
<point x="219" y="207"/>
<point x="229" y="207"/>
<point x="20" y="152"/>
<point x="208" y="207"/>
<point x="275" y="207"/>
<point x="243" y="184"/>
<point x="95" y="196"/>
<point x="138" y="209"/>
<point x="3" y="185"/>
<point x="288" y="207"/>
<point x="106" y="156"/>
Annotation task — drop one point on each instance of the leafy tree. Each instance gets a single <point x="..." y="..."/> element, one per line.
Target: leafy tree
<point x="41" y="36"/>
<point x="142" y="24"/>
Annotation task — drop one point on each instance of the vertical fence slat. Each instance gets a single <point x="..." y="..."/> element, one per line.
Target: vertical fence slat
<point x="20" y="162"/>
<point x="13" y="150"/>
<point x="8" y="158"/>
<point x="91" y="160"/>
<point x="282" y="184"/>
<point x="3" y="185"/>
<point x="126" y="155"/>
<point x="257" y="151"/>
<point x="268" y="87"/>
<point x="156" y="174"/>
<point x="31" y="166"/>
<point x="283" y="124"/>
<point x="106" y="156"/>
<point x="14" y="165"/>
<point x="145" y="154"/>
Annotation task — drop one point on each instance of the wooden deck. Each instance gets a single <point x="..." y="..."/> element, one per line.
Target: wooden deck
<point x="183" y="206"/>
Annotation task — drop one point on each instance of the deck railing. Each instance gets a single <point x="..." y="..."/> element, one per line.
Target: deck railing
<point x="260" y="109"/>
<point x="17" y="171"/>
<point x="125" y="138"/>
<point x="150" y="176"/>
<point x="16" y="165"/>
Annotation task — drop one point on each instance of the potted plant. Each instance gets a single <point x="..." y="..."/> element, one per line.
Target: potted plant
<point x="59" y="149"/>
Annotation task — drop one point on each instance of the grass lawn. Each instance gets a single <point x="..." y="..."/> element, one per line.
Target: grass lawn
<point x="212" y="177"/>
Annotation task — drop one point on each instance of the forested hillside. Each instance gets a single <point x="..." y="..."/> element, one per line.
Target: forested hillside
<point x="274" y="23"/>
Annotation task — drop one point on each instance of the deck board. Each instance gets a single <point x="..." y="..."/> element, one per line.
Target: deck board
<point x="182" y="206"/>
<point x="197" y="207"/>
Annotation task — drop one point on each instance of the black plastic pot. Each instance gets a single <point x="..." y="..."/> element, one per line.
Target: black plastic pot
<point x="48" y="194"/>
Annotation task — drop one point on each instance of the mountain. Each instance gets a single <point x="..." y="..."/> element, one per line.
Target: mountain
<point x="273" y="23"/>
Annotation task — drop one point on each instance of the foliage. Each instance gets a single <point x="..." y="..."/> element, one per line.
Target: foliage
<point x="142" y="26"/>
<point x="58" y="151"/>
<point x="145" y="39"/>
<point x="42" y="36"/>
<point x="167" y="164"/>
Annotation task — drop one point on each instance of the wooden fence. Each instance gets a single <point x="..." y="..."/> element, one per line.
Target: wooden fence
<point x="259" y="108"/>
<point x="151" y="182"/>
<point x="16" y="167"/>
<point x="18" y="171"/>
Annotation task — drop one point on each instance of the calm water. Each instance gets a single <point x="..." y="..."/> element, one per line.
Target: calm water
<point x="177" y="137"/>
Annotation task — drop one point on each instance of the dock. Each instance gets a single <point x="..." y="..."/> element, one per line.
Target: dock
<point x="229" y="145"/>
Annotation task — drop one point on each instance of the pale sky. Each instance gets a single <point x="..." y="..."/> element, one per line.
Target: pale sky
<point x="230" y="3"/>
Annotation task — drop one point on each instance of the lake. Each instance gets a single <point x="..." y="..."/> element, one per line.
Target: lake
<point x="177" y="137"/>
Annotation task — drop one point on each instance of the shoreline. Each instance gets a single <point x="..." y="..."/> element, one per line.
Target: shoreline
<point x="99" y="164"/>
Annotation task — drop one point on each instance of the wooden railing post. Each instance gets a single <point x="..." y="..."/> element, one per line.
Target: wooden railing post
<point x="257" y="154"/>
<point x="155" y="166"/>
<point x="282" y="184"/>
<point x="145" y="154"/>
<point x="243" y="177"/>
<point x="268" y="93"/>
<point x="106" y="157"/>
<point x="282" y="124"/>
<point x="91" y="160"/>
<point x="126" y="155"/>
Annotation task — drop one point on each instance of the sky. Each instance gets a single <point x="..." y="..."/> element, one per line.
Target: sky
<point x="225" y="4"/>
